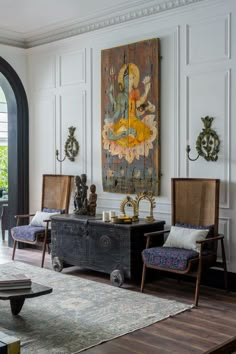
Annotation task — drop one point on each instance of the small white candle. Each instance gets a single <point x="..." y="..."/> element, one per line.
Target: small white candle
<point x="111" y="214"/>
<point x="105" y="216"/>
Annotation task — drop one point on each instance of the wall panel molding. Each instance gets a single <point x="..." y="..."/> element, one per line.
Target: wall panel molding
<point x="42" y="155"/>
<point x="177" y="102"/>
<point x="67" y="61"/>
<point x="206" y="50"/>
<point x="225" y="140"/>
<point x="90" y="116"/>
<point x="84" y="144"/>
<point x="187" y="120"/>
<point x="74" y="102"/>
<point x="228" y="36"/>
<point x="224" y="228"/>
<point x="44" y="72"/>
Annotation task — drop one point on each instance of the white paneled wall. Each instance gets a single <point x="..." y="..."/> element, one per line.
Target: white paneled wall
<point x="197" y="79"/>
<point x="73" y="113"/>
<point x="58" y="100"/>
<point x="206" y="51"/>
<point x="75" y="60"/>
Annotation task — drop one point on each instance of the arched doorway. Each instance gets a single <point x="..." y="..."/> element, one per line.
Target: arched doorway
<point x="18" y="142"/>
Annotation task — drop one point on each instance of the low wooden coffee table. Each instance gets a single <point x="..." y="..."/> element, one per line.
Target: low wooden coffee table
<point x="17" y="297"/>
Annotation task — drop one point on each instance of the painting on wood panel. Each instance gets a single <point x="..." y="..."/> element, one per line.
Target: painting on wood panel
<point x="131" y="118"/>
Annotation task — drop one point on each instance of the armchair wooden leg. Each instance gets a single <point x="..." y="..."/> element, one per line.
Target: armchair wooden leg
<point x="224" y="264"/>
<point x="198" y="281"/>
<point x="43" y="257"/>
<point x="143" y="277"/>
<point x="44" y="250"/>
<point x="14" y="249"/>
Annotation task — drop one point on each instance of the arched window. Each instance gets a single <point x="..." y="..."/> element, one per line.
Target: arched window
<point x="3" y="146"/>
<point x="18" y="142"/>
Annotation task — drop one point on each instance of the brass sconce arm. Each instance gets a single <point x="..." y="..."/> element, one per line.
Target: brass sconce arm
<point x="57" y="156"/>
<point x="71" y="147"/>
<point x="188" y="152"/>
<point x="207" y="143"/>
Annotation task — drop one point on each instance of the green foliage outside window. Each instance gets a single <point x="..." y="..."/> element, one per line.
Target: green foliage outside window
<point x="4" y="168"/>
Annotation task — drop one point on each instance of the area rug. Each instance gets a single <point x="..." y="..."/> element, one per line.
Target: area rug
<point x="79" y="313"/>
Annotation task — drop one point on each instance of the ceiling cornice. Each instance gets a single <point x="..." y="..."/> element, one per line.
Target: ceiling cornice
<point x="95" y="24"/>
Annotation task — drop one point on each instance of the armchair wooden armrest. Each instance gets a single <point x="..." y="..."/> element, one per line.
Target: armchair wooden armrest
<point x="154" y="233"/>
<point x="47" y="221"/>
<point x="23" y="215"/>
<point x="220" y="264"/>
<point x="211" y="239"/>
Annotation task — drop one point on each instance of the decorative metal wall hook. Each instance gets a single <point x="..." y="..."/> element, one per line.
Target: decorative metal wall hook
<point x="207" y="143"/>
<point x="71" y="147"/>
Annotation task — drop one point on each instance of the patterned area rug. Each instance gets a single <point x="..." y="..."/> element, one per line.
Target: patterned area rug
<point x="79" y="313"/>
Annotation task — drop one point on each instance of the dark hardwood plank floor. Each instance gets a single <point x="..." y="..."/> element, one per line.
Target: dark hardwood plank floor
<point x="210" y="328"/>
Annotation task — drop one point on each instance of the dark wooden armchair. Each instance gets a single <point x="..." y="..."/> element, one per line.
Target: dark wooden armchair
<point x="56" y="191"/>
<point x="191" y="246"/>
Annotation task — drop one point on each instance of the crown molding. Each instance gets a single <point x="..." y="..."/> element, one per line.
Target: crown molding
<point x="94" y="24"/>
<point x="13" y="42"/>
<point x="11" y="38"/>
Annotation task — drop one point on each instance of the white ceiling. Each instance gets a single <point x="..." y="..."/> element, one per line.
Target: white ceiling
<point x="25" y="21"/>
<point x="26" y="17"/>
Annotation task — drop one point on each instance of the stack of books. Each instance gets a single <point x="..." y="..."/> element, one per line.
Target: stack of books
<point x="9" y="344"/>
<point x="14" y="282"/>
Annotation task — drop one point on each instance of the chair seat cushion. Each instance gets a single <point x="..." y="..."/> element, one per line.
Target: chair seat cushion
<point x="168" y="257"/>
<point x="26" y="232"/>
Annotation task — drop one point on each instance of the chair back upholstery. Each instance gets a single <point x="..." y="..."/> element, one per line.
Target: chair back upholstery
<point x="195" y="201"/>
<point x="56" y="192"/>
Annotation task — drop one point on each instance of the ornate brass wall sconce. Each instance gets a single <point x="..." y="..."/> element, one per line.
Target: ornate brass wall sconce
<point x="207" y="143"/>
<point x="149" y="197"/>
<point x="130" y="202"/>
<point x="71" y="147"/>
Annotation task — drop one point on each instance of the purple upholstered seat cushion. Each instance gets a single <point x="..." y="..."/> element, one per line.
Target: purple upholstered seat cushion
<point x="168" y="257"/>
<point x="26" y="232"/>
<point x="50" y="210"/>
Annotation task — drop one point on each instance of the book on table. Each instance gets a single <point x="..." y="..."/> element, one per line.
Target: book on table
<point x="14" y="281"/>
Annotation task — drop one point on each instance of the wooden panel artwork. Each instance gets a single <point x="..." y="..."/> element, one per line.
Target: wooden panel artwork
<point x="131" y="118"/>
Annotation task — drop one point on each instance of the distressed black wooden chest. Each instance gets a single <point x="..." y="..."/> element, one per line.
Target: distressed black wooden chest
<point x="88" y="242"/>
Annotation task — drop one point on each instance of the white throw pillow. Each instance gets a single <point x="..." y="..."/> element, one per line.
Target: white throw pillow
<point x="182" y="237"/>
<point x="39" y="217"/>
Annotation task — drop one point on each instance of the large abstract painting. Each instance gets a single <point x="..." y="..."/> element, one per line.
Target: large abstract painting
<point x="131" y="118"/>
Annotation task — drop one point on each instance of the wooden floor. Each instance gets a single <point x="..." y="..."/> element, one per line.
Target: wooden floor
<point x="201" y="330"/>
